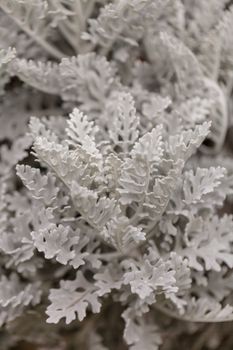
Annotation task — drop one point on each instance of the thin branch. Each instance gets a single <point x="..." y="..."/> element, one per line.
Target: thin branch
<point x="53" y="51"/>
<point x="175" y="315"/>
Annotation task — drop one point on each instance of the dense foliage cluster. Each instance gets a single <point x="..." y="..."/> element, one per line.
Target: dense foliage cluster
<point x="116" y="174"/>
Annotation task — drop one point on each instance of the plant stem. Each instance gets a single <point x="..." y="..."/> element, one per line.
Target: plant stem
<point x="53" y="51"/>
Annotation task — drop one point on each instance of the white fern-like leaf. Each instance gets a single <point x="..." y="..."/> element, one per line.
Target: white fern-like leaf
<point x="124" y="131"/>
<point x="67" y="301"/>
<point x="82" y="132"/>
<point x="41" y="75"/>
<point x="204" y="181"/>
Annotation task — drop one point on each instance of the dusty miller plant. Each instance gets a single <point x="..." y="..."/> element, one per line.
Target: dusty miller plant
<point x="116" y="174"/>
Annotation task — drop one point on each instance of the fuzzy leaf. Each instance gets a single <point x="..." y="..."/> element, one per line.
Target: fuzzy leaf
<point x="72" y="299"/>
<point x="123" y="129"/>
